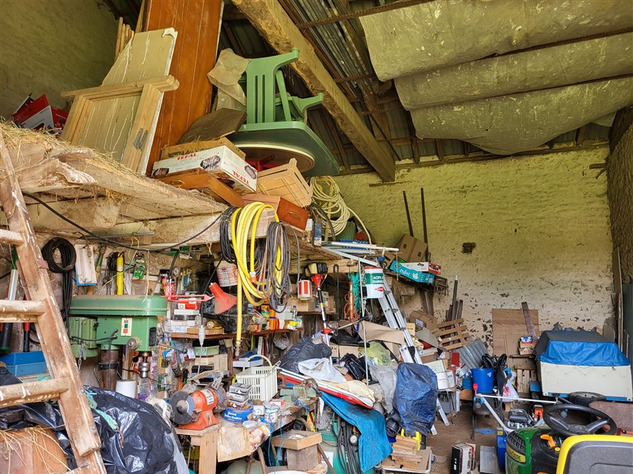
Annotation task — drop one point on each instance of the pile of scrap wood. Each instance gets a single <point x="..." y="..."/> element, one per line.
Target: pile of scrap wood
<point x="407" y="456"/>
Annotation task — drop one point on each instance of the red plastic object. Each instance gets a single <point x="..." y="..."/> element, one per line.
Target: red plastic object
<point x="223" y="301"/>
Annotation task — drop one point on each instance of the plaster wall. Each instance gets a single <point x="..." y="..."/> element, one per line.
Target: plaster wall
<point x="47" y="47"/>
<point x="540" y="224"/>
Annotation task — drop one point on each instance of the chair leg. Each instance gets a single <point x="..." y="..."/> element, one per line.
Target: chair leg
<point x="262" y="460"/>
<point x="327" y="461"/>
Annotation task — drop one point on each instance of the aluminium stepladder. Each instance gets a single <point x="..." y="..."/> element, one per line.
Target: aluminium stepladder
<point x="41" y="308"/>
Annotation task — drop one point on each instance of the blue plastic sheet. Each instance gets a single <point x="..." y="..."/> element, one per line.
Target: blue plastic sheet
<point x="373" y="445"/>
<point x="415" y="399"/>
<point x="579" y="348"/>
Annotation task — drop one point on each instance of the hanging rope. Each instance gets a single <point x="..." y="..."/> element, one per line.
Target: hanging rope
<point x="326" y="193"/>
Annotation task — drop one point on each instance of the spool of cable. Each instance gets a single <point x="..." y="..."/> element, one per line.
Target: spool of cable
<point x="65" y="266"/>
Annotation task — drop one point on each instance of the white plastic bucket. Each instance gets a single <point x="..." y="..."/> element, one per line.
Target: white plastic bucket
<point x="374" y="282"/>
<point x="227" y="274"/>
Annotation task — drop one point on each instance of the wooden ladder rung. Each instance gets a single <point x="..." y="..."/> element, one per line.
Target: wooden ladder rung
<point x="10" y="237"/>
<point x="32" y="392"/>
<point x="21" y="311"/>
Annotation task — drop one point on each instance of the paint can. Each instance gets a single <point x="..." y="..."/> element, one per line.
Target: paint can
<point x="304" y="289"/>
<point x="227" y="274"/>
<point x="374" y="282"/>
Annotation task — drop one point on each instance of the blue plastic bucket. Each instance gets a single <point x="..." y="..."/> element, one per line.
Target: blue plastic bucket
<point x="484" y="378"/>
<point x="501" y="450"/>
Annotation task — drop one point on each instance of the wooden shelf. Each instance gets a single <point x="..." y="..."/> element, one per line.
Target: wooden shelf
<point x="215" y="337"/>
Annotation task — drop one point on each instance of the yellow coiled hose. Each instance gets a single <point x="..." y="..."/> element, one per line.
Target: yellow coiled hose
<point x="243" y="237"/>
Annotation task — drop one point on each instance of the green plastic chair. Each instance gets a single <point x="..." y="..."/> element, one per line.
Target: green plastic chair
<point x="275" y="128"/>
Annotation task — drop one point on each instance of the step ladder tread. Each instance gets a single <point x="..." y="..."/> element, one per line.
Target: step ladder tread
<point x="31" y="392"/>
<point x="34" y="308"/>
<point x="11" y="237"/>
<point x="17" y="311"/>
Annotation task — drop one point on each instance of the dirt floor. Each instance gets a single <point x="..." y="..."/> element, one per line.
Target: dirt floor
<point x="460" y="431"/>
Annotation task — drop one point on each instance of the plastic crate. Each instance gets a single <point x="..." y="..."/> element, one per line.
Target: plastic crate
<point x="25" y="363"/>
<point x="263" y="380"/>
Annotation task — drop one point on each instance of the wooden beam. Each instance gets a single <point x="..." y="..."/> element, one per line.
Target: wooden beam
<point x="173" y="230"/>
<point x="274" y="24"/>
<point x="93" y="214"/>
<point x="364" y="12"/>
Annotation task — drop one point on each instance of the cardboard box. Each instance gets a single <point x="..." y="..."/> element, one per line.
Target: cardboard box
<point x="296" y="439"/>
<point x="301" y="305"/>
<point x="286" y="211"/>
<point x="220" y="161"/>
<point x="414" y="275"/>
<point x="39" y="113"/>
<point x="411" y="249"/>
<point x="427" y="267"/>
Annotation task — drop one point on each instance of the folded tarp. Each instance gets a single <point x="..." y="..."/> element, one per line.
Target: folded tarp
<point x="373" y="445"/>
<point x="585" y="348"/>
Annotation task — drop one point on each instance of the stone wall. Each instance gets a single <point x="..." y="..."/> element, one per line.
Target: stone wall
<point x="52" y="46"/>
<point x="540" y="224"/>
<point x="620" y="176"/>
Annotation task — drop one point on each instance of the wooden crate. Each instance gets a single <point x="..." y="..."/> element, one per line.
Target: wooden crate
<point x="452" y="334"/>
<point x="286" y="211"/>
<point x="285" y="181"/>
<point x="205" y="182"/>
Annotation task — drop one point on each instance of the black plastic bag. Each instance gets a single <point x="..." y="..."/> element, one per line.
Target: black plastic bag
<point x="415" y="398"/>
<point x="304" y="349"/>
<point x="142" y="443"/>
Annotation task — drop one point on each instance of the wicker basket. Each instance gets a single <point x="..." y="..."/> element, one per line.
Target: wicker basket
<point x="263" y="380"/>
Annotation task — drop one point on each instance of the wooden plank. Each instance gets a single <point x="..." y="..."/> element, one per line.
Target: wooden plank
<point x="136" y="153"/>
<point x="31" y="392"/>
<point x="274" y="24"/>
<point x="200" y="179"/>
<point x="173" y="230"/>
<point x="529" y="326"/>
<point x="114" y="178"/>
<point x="198" y="24"/>
<point x="508" y="325"/>
<point x="149" y="54"/>
<point x="31" y="308"/>
<point x="163" y="83"/>
<point x="51" y="175"/>
<point x="9" y="237"/>
<point x="93" y="213"/>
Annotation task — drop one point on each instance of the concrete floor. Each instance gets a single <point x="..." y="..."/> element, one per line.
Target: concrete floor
<point x="460" y="431"/>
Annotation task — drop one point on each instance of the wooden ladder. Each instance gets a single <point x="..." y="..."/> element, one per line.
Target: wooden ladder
<point x="41" y="309"/>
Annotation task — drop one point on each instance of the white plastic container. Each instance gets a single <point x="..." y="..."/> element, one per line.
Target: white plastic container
<point x="374" y="282"/>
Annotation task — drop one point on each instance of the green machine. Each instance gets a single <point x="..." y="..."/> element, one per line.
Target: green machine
<point x="106" y="323"/>
<point x="536" y="449"/>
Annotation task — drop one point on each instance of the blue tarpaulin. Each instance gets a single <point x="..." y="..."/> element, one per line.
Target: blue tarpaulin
<point x="373" y="445"/>
<point x="415" y="399"/>
<point x="585" y="348"/>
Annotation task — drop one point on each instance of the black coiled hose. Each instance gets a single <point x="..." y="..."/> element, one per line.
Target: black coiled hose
<point x="65" y="266"/>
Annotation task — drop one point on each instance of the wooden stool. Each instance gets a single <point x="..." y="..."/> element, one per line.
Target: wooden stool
<point x="207" y="440"/>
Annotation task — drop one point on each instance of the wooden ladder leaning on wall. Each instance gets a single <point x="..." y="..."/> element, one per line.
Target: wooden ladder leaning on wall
<point x="41" y="308"/>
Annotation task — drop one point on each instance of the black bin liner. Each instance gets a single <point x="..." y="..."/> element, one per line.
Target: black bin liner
<point x="415" y="398"/>
<point x="143" y="443"/>
<point x="304" y="349"/>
